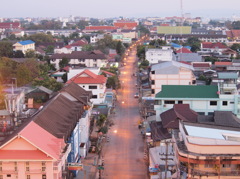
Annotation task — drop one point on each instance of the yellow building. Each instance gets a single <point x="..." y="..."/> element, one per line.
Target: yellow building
<point x="24" y="46"/>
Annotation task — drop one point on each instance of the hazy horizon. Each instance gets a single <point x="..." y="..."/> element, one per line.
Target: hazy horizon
<point x="125" y="8"/>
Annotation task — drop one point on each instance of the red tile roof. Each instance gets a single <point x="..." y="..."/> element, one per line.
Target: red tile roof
<point x="125" y="24"/>
<point x="109" y="73"/>
<point x="223" y="63"/>
<point x="170" y="118"/>
<point x="88" y="77"/>
<point x="23" y="155"/>
<point x="213" y="45"/>
<point x="8" y="25"/>
<point x="201" y="65"/>
<point x="184" y="50"/>
<point x="49" y="147"/>
<point x="79" y="43"/>
<point x="233" y="34"/>
<point x="100" y="28"/>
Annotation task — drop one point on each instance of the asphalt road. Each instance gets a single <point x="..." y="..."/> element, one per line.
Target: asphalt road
<point x="123" y="155"/>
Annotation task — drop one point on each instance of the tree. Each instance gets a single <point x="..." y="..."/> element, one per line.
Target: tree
<point x="194" y="42"/>
<point x="82" y="24"/>
<point x="141" y="51"/>
<point x="30" y="53"/>
<point x="18" y="54"/>
<point x="211" y="59"/>
<point x="41" y="38"/>
<point x="236" y="25"/>
<point x="236" y="47"/>
<point x="49" y="49"/>
<point x="23" y="75"/>
<point x="47" y="82"/>
<point x="143" y="30"/>
<point x="64" y="62"/>
<point x="2" y="97"/>
<point x="120" y="48"/>
<point x="87" y="47"/>
<point x="6" y="49"/>
<point x="113" y="82"/>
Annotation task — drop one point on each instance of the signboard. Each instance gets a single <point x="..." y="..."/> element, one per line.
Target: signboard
<point x="75" y="166"/>
<point x="153" y="170"/>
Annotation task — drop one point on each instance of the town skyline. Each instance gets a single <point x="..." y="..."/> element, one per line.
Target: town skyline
<point x="107" y="9"/>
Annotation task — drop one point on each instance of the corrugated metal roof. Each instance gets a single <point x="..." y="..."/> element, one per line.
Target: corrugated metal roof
<point x="228" y="75"/>
<point x="188" y="91"/>
<point x="174" y="29"/>
<point x="171" y="67"/>
<point x="26" y="42"/>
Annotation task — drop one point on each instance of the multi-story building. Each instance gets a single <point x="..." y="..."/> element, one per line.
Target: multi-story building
<point x="207" y="151"/>
<point x="24" y="46"/>
<point x="204" y="99"/>
<point x="91" y="82"/>
<point x="81" y="58"/>
<point x="156" y="55"/>
<point x="170" y="73"/>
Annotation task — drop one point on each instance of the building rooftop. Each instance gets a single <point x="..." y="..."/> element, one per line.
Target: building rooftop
<point x="188" y="91"/>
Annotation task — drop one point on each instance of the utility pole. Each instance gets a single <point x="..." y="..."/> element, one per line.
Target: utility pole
<point x="166" y="160"/>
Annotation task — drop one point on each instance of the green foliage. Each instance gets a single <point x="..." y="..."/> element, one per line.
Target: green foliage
<point x="64" y="62"/>
<point x="49" y="49"/>
<point x="194" y="42"/>
<point x="87" y="47"/>
<point x="101" y="120"/>
<point x="18" y="54"/>
<point x="143" y="30"/>
<point x="23" y="75"/>
<point x="106" y="43"/>
<point x="41" y="38"/>
<point x="236" y="47"/>
<point x="82" y="24"/>
<point x="120" y="48"/>
<point x="145" y="63"/>
<point x="74" y="35"/>
<point x="157" y="42"/>
<point x="236" y="25"/>
<point x="45" y="25"/>
<point x="6" y="49"/>
<point x="141" y="51"/>
<point x="113" y="82"/>
<point x="104" y="129"/>
<point x="47" y="82"/>
<point x="211" y="59"/>
<point x="30" y="54"/>
<point x="8" y="69"/>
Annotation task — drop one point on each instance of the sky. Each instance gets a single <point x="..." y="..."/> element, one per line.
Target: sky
<point x="124" y="8"/>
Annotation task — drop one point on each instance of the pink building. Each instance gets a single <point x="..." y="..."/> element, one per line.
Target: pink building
<point x="33" y="153"/>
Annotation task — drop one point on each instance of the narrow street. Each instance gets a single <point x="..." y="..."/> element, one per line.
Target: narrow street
<point x="123" y="154"/>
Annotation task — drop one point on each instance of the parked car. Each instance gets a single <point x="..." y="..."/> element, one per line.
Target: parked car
<point x="136" y="95"/>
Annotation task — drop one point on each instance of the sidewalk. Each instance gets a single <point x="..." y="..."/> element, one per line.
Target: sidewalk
<point x="89" y="167"/>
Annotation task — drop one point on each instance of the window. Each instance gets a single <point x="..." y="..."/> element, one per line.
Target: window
<point x="28" y="177"/>
<point x="180" y="102"/>
<point x="153" y="91"/>
<point x="208" y="165"/>
<point x="153" y="72"/>
<point x="94" y="60"/>
<point x="15" y="166"/>
<point x="153" y="82"/>
<point x="92" y="87"/>
<point x="8" y="175"/>
<point x="94" y="96"/>
<point x="226" y="165"/>
<point x="213" y="103"/>
<point x="1" y="176"/>
<point x="169" y="102"/>
<point x="53" y="60"/>
<point x="43" y="166"/>
<point x="224" y="103"/>
<point x="27" y="166"/>
<point x="44" y="177"/>
<point x="157" y="102"/>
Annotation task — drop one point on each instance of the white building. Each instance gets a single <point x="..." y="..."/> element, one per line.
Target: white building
<point x="204" y="99"/>
<point x="157" y="55"/>
<point x="91" y="82"/>
<point x="81" y="58"/>
<point x="170" y="73"/>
